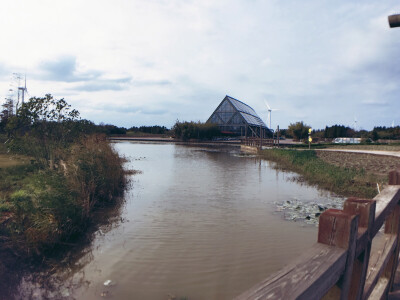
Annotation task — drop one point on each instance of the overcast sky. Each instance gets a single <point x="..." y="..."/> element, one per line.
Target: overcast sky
<point x="132" y="63"/>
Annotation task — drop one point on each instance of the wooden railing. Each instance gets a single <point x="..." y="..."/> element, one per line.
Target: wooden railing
<point x="257" y="142"/>
<point x="356" y="255"/>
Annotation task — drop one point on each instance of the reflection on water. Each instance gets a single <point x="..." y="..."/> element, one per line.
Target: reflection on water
<point x="197" y="223"/>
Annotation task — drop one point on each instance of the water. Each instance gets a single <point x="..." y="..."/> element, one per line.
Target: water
<point x="197" y="224"/>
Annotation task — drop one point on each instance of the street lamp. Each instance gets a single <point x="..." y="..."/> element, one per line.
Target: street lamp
<point x="394" y="21"/>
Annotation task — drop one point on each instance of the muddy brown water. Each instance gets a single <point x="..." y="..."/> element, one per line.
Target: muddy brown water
<point x="196" y="224"/>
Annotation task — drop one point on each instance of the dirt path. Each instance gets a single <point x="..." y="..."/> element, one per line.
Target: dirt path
<point x="375" y="152"/>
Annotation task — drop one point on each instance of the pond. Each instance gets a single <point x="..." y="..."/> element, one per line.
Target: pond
<point x="197" y="223"/>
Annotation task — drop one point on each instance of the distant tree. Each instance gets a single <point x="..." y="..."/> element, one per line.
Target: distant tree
<point x="318" y="133"/>
<point x="338" y="131"/>
<point x="298" y="130"/>
<point x="193" y="130"/>
<point x="111" y="129"/>
<point x="156" y="129"/>
<point x="386" y="133"/>
<point x="284" y="132"/>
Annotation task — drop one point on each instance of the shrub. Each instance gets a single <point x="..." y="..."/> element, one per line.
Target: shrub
<point x="192" y="130"/>
<point x="94" y="172"/>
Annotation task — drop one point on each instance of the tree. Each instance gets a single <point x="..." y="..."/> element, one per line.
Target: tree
<point x="298" y="130"/>
<point x="47" y="109"/>
<point x="6" y="113"/>
<point x="42" y="125"/>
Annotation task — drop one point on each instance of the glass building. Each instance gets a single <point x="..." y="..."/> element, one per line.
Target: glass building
<point x="235" y="117"/>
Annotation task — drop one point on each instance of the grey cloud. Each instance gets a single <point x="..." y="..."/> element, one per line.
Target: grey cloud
<point x="154" y="111"/>
<point x="65" y="69"/>
<point x="104" y="85"/>
<point x="151" y="82"/>
<point x="134" y="110"/>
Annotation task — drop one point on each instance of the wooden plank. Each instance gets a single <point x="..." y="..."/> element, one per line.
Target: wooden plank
<point x="385" y="203"/>
<point x="382" y="246"/>
<point x="380" y="289"/>
<point x="394" y="177"/>
<point x="309" y="277"/>
<point x="335" y="228"/>
<point x="392" y="226"/>
<point x="339" y="228"/>
<point x="365" y="208"/>
<point x="362" y="240"/>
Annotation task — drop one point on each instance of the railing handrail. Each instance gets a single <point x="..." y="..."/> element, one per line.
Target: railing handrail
<point x="258" y="142"/>
<point x="341" y="264"/>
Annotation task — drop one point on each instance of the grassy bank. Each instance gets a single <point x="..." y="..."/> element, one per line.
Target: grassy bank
<point x="342" y="181"/>
<point x="56" y="170"/>
<point x="41" y="207"/>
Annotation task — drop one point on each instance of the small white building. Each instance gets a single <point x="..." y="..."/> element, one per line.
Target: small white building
<point x="347" y="140"/>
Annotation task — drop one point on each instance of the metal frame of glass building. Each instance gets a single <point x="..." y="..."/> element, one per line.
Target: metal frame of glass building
<point x="238" y="118"/>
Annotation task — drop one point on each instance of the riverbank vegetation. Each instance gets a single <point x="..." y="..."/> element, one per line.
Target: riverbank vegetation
<point x="345" y="181"/>
<point x="69" y="170"/>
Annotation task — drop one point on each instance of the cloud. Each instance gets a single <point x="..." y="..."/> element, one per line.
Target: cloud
<point x="65" y="69"/>
<point x="103" y="85"/>
<point x="124" y="108"/>
<point x="151" y="82"/>
<point x="149" y="111"/>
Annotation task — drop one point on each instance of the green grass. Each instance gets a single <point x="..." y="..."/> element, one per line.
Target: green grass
<point x="342" y="181"/>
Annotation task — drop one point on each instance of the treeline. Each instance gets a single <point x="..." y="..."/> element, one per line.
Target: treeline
<point x="299" y="130"/>
<point x="91" y="127"/>
<point x="150" y="129"/>
<point x="386" y="133"/>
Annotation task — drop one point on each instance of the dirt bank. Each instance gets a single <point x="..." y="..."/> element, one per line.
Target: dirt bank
<point x="379" y="165"/>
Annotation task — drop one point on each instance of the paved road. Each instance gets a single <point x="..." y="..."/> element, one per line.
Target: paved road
<point x="375" y="152"/>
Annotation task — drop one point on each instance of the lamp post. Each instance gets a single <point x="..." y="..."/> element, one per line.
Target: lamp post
<point x="309" y="138"/>
<point x="394" y="20"/>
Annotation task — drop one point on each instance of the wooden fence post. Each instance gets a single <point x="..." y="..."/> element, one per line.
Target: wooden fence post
<point x="365" y="208"/>
<point x="337" y="228"/>
<point x="392" y="226"/>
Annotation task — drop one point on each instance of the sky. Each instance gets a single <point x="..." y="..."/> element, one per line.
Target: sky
<point x="132" y="63"/>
